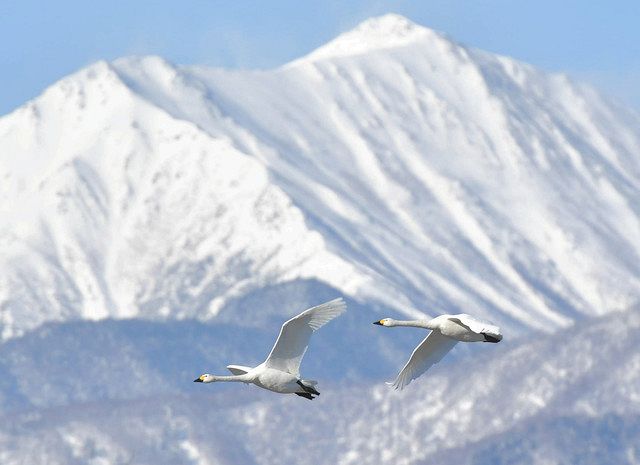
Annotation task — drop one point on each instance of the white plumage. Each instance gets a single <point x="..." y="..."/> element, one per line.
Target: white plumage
<point x="295" y="333"/>
<point x="280" y="372"/>
<point x="446" y="331"/>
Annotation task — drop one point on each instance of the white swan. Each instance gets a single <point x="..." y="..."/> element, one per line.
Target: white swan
<point x="280" y="372"/>
<point x="446" y="331"/>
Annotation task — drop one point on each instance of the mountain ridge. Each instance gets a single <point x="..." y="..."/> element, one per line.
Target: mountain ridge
<point x="560" y="383"/>
<point x="427" y="179"/>
<point x="158" y="221"/>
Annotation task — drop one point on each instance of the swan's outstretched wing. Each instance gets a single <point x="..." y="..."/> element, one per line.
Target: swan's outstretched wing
<point x="476" y="325"/>
<point x="429" y="352"/>
<point x="293" y="340"/>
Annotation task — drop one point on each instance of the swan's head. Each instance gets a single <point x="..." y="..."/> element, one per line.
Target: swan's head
<point x="384" y="322"/>
<point x="205" y="378"/>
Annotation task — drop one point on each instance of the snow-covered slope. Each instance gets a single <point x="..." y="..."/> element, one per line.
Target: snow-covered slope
<point x="112" y="208"/>
<point x="448" y="175"/>
<point x="392" y="164"/>
<point x="572" y="397"/>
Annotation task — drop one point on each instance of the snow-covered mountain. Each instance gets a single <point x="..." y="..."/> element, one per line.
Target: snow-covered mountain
<point x="394" y="165"/>
<point x="568" y="398"/>
<point x="157" y="221"/>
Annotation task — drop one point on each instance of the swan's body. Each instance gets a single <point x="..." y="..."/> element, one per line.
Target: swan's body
<point x="446" y="331"/>
<point x="280" y="372"/>
<point x="262" y="376"/>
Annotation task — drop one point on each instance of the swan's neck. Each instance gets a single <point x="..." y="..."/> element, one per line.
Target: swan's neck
<point x="244" y="378"/>
<point x="426" y="324"/>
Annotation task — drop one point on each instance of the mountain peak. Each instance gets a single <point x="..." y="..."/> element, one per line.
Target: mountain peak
<point x="390" y="24"/>
<point x="381" y="32"/>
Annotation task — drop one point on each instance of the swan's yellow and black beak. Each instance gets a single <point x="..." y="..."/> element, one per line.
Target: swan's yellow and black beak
<point x="378" y="323"/>
<point x="198" y="380"/>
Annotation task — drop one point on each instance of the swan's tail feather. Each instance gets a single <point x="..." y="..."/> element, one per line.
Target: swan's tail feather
<point x="488" y="337"/>
<point x="308" y="387"/>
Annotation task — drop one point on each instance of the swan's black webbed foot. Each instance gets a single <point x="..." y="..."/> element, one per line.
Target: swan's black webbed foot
<point x="306" y="395"/>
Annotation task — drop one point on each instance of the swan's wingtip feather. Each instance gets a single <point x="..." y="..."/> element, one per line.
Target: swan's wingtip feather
<point x="339" y="304"/>
<point x="336" y="304"/>
<point x="396" y="386"/>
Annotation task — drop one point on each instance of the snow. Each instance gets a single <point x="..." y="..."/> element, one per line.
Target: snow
<point x="388" y="31"/>
<point x="393" y="164"/>
<point x="157" y="220"/>
<point x="572" y="395"/>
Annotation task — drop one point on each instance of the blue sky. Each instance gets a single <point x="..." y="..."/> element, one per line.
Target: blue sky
<point x="42" y="41"/>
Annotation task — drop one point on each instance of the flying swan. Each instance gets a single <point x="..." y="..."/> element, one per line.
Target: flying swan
<point x="446" y="331"/>
<point x="280" y="372"/>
